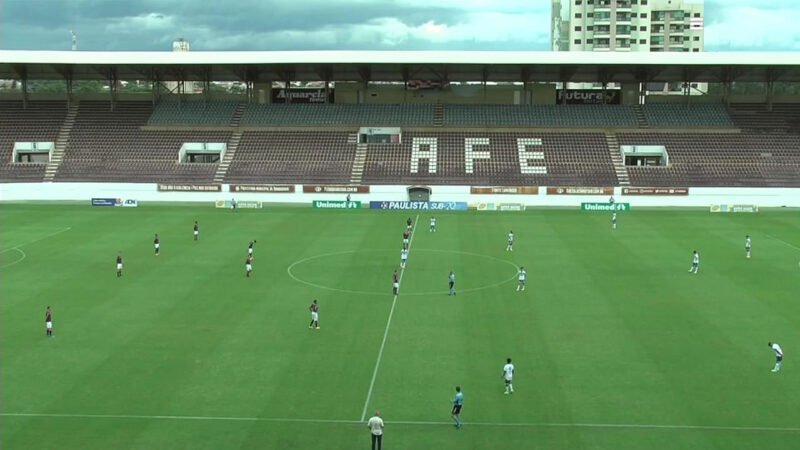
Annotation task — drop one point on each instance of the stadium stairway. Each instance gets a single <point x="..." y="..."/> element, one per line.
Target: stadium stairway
<point x="616" y="157"/>
<point x="61" y="143"/>
<point x="357" y="173"/>
<point x="236" y="119"/>
<point x="230" y="152"/>
<point x="641" y="118"/>
<point x="438" y="114"/>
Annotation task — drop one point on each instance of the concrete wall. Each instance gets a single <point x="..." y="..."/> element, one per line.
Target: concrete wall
<point x="698" y="197"/>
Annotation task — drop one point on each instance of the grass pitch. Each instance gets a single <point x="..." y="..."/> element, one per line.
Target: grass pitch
<point x="616" y="346"/>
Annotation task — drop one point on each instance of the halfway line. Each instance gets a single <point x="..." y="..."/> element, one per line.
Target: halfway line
<point x="388" y="325"/>
<point x="409" y="422"/>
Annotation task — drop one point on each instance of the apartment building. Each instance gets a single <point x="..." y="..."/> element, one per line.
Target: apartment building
<point x="629" y="25"/>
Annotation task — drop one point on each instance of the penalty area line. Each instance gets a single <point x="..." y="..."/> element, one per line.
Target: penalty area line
<point x="388" y="325"/>
<point x="408" y="422"/>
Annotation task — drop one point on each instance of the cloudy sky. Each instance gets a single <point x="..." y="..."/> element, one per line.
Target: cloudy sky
<point x="348" y="24"/>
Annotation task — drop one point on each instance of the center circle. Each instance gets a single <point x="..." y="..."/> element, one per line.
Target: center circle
<point x="304" y="279"/>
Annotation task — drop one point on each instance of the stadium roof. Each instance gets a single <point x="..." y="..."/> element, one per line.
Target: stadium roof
<point x="402" y="65"/>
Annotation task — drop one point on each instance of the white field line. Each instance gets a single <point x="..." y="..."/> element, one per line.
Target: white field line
<point x="409" y="422"/>
<point x="17" y="261"/>
<point x="388" y="325"/>
<point x="782" y="241"/>
<point x="16" y="247"/>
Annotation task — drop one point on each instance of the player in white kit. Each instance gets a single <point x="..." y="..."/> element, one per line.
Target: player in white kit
<point x="778" y="355"/>
<point x="403" y="258"/>
<point x="510" y="246"/>
<point x="614" y="221"/>
<point x="747" y="245"/>
<point x="522" y="276"/>
<point x="508" y="376"/>
<point x="433" y="224"/>
<point x="695" y="262"/>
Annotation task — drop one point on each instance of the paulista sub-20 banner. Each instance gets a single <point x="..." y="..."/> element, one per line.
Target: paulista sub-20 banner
<point x="420" y="206"/>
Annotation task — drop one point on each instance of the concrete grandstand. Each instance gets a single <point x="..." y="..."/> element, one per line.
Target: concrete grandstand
<point x="476" y="119"/>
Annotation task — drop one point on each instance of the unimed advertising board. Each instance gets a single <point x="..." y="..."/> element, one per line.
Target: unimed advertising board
<point x="335" y="204"/>
<point x="605" y="207"/>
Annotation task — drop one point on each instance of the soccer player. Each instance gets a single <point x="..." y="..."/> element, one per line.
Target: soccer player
<point x="613" y="220"/>
<point x="778" y="355"/>
<point x="406" y="236"/>
<point x="508" y="376"/>
<point x="196" y="231"/>
<point x="510" y="247"/>
<point x="409" y="223"/>
<point x="248" y="265"/>
<point x="611" y="200"/>
<point x="433" y="224"/>
<point x="157" y="244"/>
<point x="250" y="248"/>
<point x="233" y="204"/>
<point x="403" y="258"/>
<point x="695" y="262"/>
<point x="48" y="322"/>
<point x="521" y="276"/>
<point x="119" y="264"/>
<point x="458" y="402"/>
<point x="395" y="283"/>
<point x="314" y="308"/>
<point x="451" y="281"/>
<point x="747" y="245"/>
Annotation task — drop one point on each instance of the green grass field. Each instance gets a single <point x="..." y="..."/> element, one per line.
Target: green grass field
<point x="616" y="346"/>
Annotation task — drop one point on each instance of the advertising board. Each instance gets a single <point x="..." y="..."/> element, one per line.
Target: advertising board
<point x="605" y="207"/>
<point x="335" y="204"/>
<point x="580" y="190"/>
<point x="419" y="206"/>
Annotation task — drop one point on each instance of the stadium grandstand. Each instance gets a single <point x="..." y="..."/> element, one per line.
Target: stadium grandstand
<point x="436" y="118"/>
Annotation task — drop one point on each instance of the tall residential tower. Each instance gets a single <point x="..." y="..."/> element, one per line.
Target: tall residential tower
<point x="634" y="25"/>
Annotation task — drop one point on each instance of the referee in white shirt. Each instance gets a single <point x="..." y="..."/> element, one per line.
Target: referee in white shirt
<point x="375" y="425"/>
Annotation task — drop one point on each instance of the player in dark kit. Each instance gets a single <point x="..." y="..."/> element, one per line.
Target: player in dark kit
<point x="250" y="248"/>
<point x="48" y="322"/>
<point x="248" y="265"/>
<point x="196" y="231"/>
<point x="314" y="308"/>
<point x="406" y="236"/>
<point x="395" y="283"/>
<point x="157" y="244"/>
<point x="409" y="223"/>
<point x="119" y="265"/>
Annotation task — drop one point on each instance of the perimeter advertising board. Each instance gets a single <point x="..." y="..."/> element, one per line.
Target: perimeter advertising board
<point x="335" y="204"/>
<point x="241" y="204"/>
<point x="507" y="190"/>
<point x="190" y="188"/>
<point x="127" y="203"/>
<point x="420" y="206"/>
<point x="654" y="191"/>
<point x="580" y="191"/>
<point x="734" y="208"/>
<point x="605" y="207"/>
<point x="263" y="188"/>
<point x="334" y="189"/>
